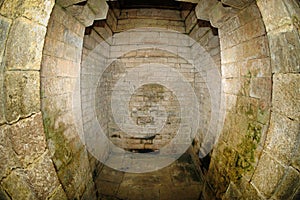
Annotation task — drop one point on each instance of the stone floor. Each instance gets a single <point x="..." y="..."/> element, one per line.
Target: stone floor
<point x="178" y="181"/>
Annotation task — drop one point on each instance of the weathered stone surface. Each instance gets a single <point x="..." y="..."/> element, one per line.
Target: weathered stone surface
<point x="237" y="3"/>
<point x="3" y="194"/>
<point x="67" y="3"/>
<point x="58" y="194"/>
<point x="297" y="195"/>
<point x="42" y="176"/>
<point x="283" y="138"/>
<point x="76" y="175"/>
<point x="285" y="51"/>
<point x="289" y="185"/>
<point x="277" y="13"/>
<point x="268" y="175"/>
<point x="99" y="7"/>
<point x="219" y="14"/>
<point x="241" y="190"/>
<point x="296" y="159"/>
<point x="204" y="8"/>
<point x="28" y="37"/>
<point x="90" y="192"/>
<point x="22" y="94"/>
<point x="17" y="186"/>
<point x="84" y="14"/>
<point x="261" y="88"/>
<point x="9" y="158"/>
<point x="36" y="10"/>
<point x="5" y="26"/>
<point x="28" y="138"/>
<point x="286" y="95"/>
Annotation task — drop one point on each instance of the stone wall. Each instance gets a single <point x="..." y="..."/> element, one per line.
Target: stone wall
<point x="26" y="164"/>
<point x="258" y="152"/>
<point x="248" y="160"/>
<point x="60" y="79"/>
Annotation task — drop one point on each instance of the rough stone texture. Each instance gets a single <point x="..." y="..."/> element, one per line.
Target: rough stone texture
<point x="285" y="48"/>
<point x="3" y="194"/>
<point x="22" y="94"/>
<point x="288" y="186"/>
<point x="84" y="14"/>
<point x="5" y="25"/>
<point x="283" y="138"/>
<point x="35" y="10"/>
<point x="177" y="181"/>
<point x="28" y="37"/>
<point x="136" y="18"/>
<point x="242" y="190"/>
<point x="18" y="181"/>
<point x="28" y="139"/>
<point x="59" y="72"/>
<point x="42" y="176"/>
<point x="282" y="23"/>
<point x="247" y="83"/>
<point x="279" y="14"/>
<point x="237" y="3"/>
<point x="204" y="8"/>
<point x="219" y="14"/>
<point x="268" y="175"/>
<point x="58" y="194"/>
<point x="67" y="3"/>
<point x="100" y="8"/>
<point x="286" y="95"/>
<point x="9" y="159"/>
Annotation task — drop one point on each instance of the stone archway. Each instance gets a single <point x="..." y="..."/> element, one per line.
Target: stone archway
<point x="261" y="89"/>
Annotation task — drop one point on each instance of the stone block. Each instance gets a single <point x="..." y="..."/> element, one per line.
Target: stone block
<point x="54" y="48"/>
<point x="22" y="94"/>
<point x="58" y="194"/>
<point x="268" y="175"/>
<point x="55" y="29"/>
<point x="230" y="70"/>
<point x="42" y="176"/>
<point x="231" y="86"/>
<point x="204" y="8"/>
<point x="190" y="21"/>
<point x="261" y="88"/>
<point x="72" y="39"/>
<point x="285" y="95"/>
<point x="239" y="4"/>
<point x="283" y="138"/>
<point x="285" y="51"/>
<point x="90" y="193"/>
<point x="35" y="10"/>
<point x="242" y="190"/>
<point x="9" y="159"/>
<point x="28" y="37"/>
<point x="28" y="138"/>
<point x="3" y="194"/>
<point x="76" y="175"/>
<point x="289" y="185"/>
<point x="278" y="15"/>
<point x="17" y="186"/>
<point x="67" y="3"/>
<point x="5" y="25"/>
<point x="100" y="8"/>
<point x="67" y="20"/>
<point x="255" y="49"/>
<point x="256" y="68"/>
<point x="83" y="14"/>
<point x="219" y="14"/>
